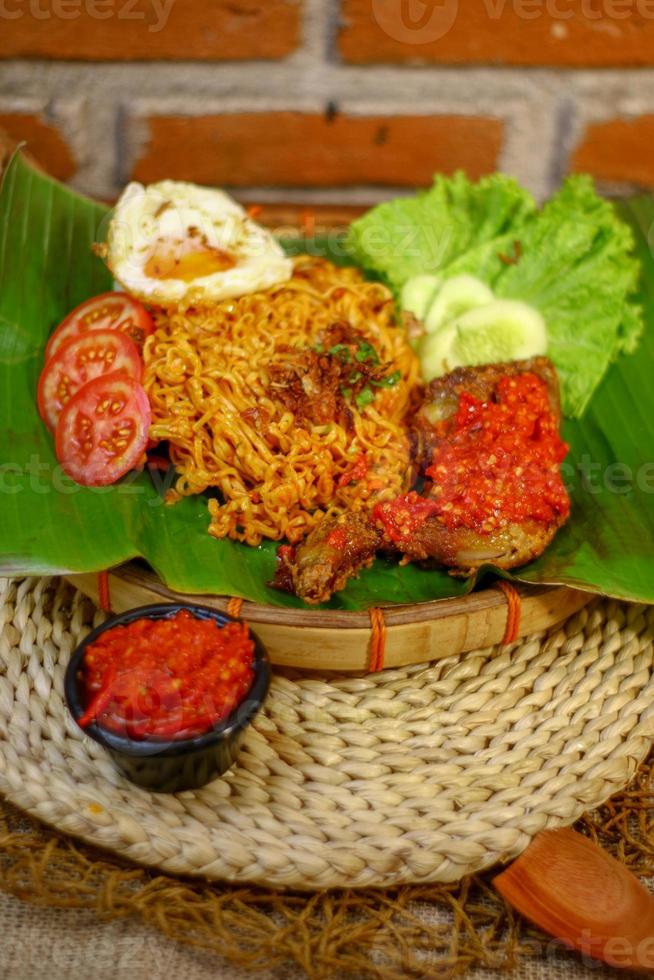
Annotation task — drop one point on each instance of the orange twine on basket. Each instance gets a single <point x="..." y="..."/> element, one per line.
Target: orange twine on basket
<point x="234" y="606"/>
<point x="104" y="599"/>
<point x="513" y="611"/>
<point x="377" y="640"/>
<point x="254" y="211"/>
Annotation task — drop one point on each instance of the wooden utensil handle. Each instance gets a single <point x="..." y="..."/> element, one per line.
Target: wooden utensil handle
<point x="575" y="891"/>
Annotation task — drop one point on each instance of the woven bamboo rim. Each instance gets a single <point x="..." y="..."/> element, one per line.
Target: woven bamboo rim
<point x="327" y="639"/>
<point x="420" y="774"/>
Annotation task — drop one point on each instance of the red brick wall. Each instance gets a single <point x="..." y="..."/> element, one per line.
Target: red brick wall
<point x="334" y="99"/>
<point x="495" y="32"/>
<point x="45" y="143"/>
<point x="282" y="148"/>
<point x="120" y="30"/>
<point x="618" y="150"/>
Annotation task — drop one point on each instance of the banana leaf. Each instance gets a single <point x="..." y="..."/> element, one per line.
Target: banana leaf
<point x="50" y="525"/>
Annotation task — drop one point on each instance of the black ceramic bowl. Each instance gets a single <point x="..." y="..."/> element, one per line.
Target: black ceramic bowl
<point x="179" y="764"/>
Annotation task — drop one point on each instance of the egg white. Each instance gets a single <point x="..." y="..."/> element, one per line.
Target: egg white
<point x="170" y="215"/>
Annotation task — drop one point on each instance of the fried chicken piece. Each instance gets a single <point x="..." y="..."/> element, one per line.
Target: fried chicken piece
<point x="464" y="518"/>
<point x="464" y="549"/>
<point x="336" y="549"/>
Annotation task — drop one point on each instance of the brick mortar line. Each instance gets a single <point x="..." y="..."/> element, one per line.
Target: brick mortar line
<point x="39" y="71"/>
<point x="568" y="129"/>
<point x="492" y="93"/>
<point x="352" y="106"/>
<point x="317" y="34"/>
<point x="122" y="149"/>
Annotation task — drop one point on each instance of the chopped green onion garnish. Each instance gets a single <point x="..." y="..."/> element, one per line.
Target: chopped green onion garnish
<point x="364" y="398"/>
<point x="367" y="352"/>
<point x="342" y="351"/>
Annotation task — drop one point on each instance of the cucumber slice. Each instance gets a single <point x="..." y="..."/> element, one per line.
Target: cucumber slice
<point x="455" y="297"/>
<point x="417" y="294"/>
<point x="504" y="330"/>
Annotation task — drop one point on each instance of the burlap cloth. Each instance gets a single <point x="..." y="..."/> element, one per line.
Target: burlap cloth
<point x="91" y="912"/>
<point x="60" y="944"/>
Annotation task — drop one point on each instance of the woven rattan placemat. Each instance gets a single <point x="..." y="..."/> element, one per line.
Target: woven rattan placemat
<point x="416" y="775"/>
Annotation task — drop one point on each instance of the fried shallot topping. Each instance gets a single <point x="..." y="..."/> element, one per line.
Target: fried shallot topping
<point x="322" y="384"/>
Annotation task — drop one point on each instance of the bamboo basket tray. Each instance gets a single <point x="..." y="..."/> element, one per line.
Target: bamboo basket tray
<point x="334" y="640"/>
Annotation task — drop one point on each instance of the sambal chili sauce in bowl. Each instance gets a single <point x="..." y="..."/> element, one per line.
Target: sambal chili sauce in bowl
<point x="168" y="690"/>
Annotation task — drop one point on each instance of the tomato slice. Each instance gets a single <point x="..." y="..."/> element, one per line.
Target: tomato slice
<point x="80" y="360"/>
<point x="103" y="430"/>
<point x="108" y="311"/>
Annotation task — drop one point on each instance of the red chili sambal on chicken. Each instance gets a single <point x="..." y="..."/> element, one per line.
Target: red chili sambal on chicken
<point x="496" y="461"/>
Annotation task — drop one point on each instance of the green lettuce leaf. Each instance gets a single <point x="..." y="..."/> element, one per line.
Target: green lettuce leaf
<point x="572" y="260"/>
<point x="577" y="269"/>
<point x="427" y="232"/>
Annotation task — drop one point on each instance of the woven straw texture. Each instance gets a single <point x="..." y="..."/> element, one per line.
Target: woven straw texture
<point x="416" y="775"/>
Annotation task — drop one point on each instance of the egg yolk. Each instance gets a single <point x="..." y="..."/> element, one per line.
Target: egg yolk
<point x="187" y="261"/>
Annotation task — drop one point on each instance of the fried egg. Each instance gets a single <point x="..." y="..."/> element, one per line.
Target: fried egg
<point x="174" y="244"/>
